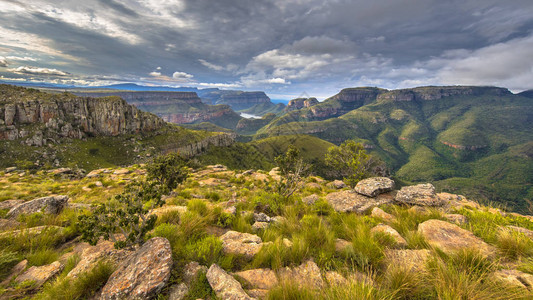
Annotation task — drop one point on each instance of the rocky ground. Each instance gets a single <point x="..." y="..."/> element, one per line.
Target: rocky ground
<point x="226" y="234"/>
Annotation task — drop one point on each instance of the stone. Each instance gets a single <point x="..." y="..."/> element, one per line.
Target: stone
<point x="11" y="169"/>
<point x="261" y="217"/>
<point x="121" y="172"/>
<point x="313" y="185"/>
<point x="7" y="224"/>
<point x="420" y="194"/>
<point x="525" y="231"/>
<point x="232" y="210"/>
<point x="49" y="205"/>
<point x="311" y="199"/>
<point x="191" y="270"/>
<point x="286" y="242"/>
<point x="33" y="231"/>
<point x="264" y="279"/>
<point x="98" y="184"/>
<point x="457" y="201"/>
<point x="257" y="226"/>
<point x="40" y="275"/>
<point x="451" y="238"/>
<point x="350" y="201"/>
<point x="379" y="213"/>
<point x="278" y="219"/>
<point x="224" y="285"/>
<point x="341" y="245"/>
<point x="95" y="173"/>
<point x="374" y="186"/>
<point x="178" y="292"/>
<point x="334" y="278"/>
<point x="515" y="278"/>
<point x="307" y="274"/>
<point x="411" y="260"/>
<point x="386" y="229"/>
<point x="9" y="204"/>
<point x="337" y="184"/>
<point x="143" y="274"/>
<point x="257" y="293"/>
<point x="245" y="244"/>
<point x="91" y="255"/>
<point x="420" y="210"/>
<point x="15" y="271"/>
<point x="456" y="218"/>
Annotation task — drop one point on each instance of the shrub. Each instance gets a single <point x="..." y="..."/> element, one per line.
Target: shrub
<point x="292" y="170"/>
<point x="169" y="170"/>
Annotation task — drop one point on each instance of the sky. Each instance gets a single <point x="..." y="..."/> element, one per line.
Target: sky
<point x="286" y="48"/>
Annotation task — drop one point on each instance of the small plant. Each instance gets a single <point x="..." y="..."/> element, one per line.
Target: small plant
<point x="293" y="170"/>
<point x="169" y="170"/>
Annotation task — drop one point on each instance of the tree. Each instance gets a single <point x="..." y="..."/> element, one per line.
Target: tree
<point x="292" y="169"/>
<point x="351" y="162"/>
<point x="130" y="213"/>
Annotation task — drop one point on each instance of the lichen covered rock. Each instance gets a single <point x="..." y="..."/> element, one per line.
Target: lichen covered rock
<point x="374" y="186"/>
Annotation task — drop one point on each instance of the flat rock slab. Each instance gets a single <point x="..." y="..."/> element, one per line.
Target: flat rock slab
<point x="420" y="194"/>
<point x="245" y="244"/>
<point x="412" y="260"/>
<point x="450" y="237"/>
<point x="379" y="213"/>
<point x="515" y="278"/>
<point x="49" y="205"/>
<point x="224" y="285"/>
<point x="143" y="274"/>
<point x="91" y="255"/>
<point x="9" y="204"/>
<point x="374" y="186"/>
<point x="306" y="274"/>
<point x="41" y="274"/>
<point x="350" y="201"/>
<point x="263" y="279"/>
<point x="386" y="229"/>
<point x="525" y="231"/>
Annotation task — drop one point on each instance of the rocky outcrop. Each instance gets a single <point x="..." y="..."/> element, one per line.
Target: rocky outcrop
<point x="54" y="116"/>
<point x="224" y="285"/>
<point x="451" y="238"/>
<point x="40" y="275"/>
<point x="49" y="205"/>
<point x="300" y="103"/>
<point x="307" y="274"/>
<point x="143" y="274"/>
<point x="374" y="186"/>
<point x="420" y="194"/>
<point x="239" y="100"/>
<point x="386" y="229"/>
<point x="195" y="148"/>
<point x="91" y="255"/>
<point x="263" y="279"/>
<point x="434" y="93"/>
<point x="245" y="244"/>
<point x="350" y="201"/>
<point x="197" y="114"/>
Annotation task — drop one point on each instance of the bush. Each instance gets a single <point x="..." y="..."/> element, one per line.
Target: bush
<point x="169" y="170"/>
<point x="292" y="170"/>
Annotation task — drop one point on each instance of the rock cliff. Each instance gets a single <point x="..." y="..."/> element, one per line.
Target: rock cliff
<point x="435" y="93"/>
<point x="300" y="103"/>
<point x="38" y="116"/>
<point x="148" y="98"/>
<point x="238" y="100"/>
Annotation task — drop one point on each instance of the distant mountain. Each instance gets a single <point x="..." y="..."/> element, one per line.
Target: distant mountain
<point x="136" y="87"/>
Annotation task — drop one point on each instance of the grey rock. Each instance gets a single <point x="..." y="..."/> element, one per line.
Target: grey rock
<point x="420" y="194"/>
<point x="374" y="186"/>
<point x="49" y="205"/>
<point x="350" y="201"/>
<point x="224" y="285"/>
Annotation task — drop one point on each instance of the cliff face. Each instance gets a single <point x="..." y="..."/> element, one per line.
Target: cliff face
<point x="196" y="116"/>
<point x="345" y="101"/>
<point x="434" y="93"/>
<point x="300" y="103"/>
<point x="196" y="148"/>
<point x="149" y="98"/>
<point x="38" y="116"/>
<point x="242" y="100"/>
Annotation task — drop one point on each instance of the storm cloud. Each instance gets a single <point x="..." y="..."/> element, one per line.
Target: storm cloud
<point x="280" y="46"/>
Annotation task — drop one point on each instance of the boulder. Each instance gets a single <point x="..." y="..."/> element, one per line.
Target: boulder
<point x="91" y="255"/>
<point x="224" y="285"/>
<point x="341" y="245"/>
<point x="379" y="213"/>
<point x="420" y="194"/>
<point x="306" y="274"/>
<point x="374" y="186"/>
<point x="264" y="279"/>
<point x="515" y="278"/>
<point x="143" y="274"/>
<point x="178" y="292"/>
<point x="15" y="271"/>
<point x="525" y="231"/>
<point x="337" y="184"/>
<point x="457" y="201"/>
<point x="350" y="201"/>
<point x="49" y="205"/>
<point x="386" y="229"/>
<point x="245" y="244"/>
<point x="41" y="274"/>
<point x="261" y="217"/>
<point x="191" y="270"/>
<point x="257" y="226"/>
<point x="450" y="237"/>
<point x="456" y="218"/>
<point x="9" y="204"/>
<point x="7" y="224"/>
<point x="311" y="199"/>
<point x="121" y="171"/>
<point x="412" y="260"/>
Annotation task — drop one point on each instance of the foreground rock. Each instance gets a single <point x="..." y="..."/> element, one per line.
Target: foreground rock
<point x="40" y="275"/>
<point x="245" y="244"/>
<point x="306" y="274"/>
<point x="224" y="285"/>
<point x="33" y="231"/>
<point x="386" y="229"/>
<point x="515" y="278"/>
<point x="9" y="204"/>
<point x="143" y="274"/>
<point x="522" y="230"/>
<point x="49" y="205"/>
<point x="450" y="237"/>
<point x="263" y="279"/>
<point x="374" y="186"/>
<point x="337" y="184"/>
<point x="91" y="255"/>
<point x="350" y="201"/>
<point x="420" y="194"/>
<point x="379" y="213"/>
<point x="411" y="260"/>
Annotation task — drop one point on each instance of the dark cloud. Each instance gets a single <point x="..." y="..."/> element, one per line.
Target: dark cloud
<point x="280" y="46"/>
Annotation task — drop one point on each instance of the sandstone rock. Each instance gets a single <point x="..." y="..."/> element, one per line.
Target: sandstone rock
<point x="515" y="278"/>
<point x="457" y="201"/>
<point x="191" y="270"/>
<point x="306" y="274"/>
<point x="15" y="271"/>
<point x="143" y="274"/>
<point x="232" y="210"/>
<point x="420" y="210"/>
<point x="264" y="279"/>
<point x="98" y="184"/>
<point x="9" y="204"/>
<point x="412" y="260"/>
<point x="287" y="243"/>
<point x="334" y="278"/>
<point x="456" y="218"/>
<point x="420" y="194"/>
<point x="450" y="237"/>
<point x="95" y="173"/>
<point x="278" y="219"/>
<point x="224" y="285"/>
<point x="178" y="292"/>
<point x="341" y="245"/>
<point x="313" y="185"/>
<point x="121" y="172"/>
<point x="257" y="293"/>
<point x="257" y="226"/>
<point x="261" y="217"/>
<point x="7" y="224"/>
<point x="371" y="187"/>
<point x="41" y="274"/>
<point x="350" y="201"/>
<point x="11" y="169"/>
<point x="386" y="229"/>
<point x="337" y="184"/>
<point x="245" y="244"/>
<point x="525" y="231"/>
<point x="311" y="199"/>
<point x="91" y="255"/>
<point x="379" y="213"/>
<point x="49" y="205"/>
